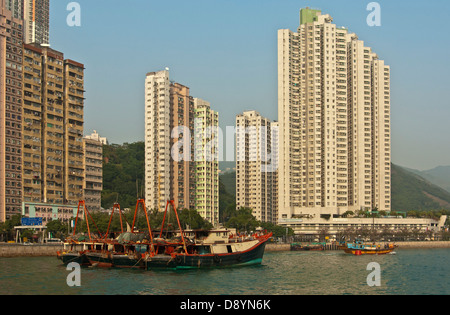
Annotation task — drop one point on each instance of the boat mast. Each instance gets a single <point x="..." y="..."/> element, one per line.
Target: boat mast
<point x="116" y="205"/>
<point x="86" y="212"/>
<point x="142" y="201"/>
<point x="171" y="202"/>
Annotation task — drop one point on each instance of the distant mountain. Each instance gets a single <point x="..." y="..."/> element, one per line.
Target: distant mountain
<point x="439" y="176"/>
<point x="411" y="191"/>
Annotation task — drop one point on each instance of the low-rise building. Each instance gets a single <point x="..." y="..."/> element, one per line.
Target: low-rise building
<point x="314" y="226"/>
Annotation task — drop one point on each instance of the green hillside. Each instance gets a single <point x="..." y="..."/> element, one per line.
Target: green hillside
<point x="412" y="192"/>
<point x="229" y="181"/>
<point x="123" y="174"/>
<point x="439" y="176"/>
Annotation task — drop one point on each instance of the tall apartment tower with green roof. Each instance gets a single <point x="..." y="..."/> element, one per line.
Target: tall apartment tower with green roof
<point x="206" y="155"/>
<point x="334" y="122"/>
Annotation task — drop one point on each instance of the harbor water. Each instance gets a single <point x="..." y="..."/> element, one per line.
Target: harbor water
<point x="408" y="272"/>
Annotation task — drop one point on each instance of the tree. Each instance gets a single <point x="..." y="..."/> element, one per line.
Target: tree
<point x="348" y="213"/>
<point x="57" y="228"/>
<point x="191" y="218"/>
<point x="243" y="220"/>
<point x="277" y="230"/>
<point x="123" y="174"/>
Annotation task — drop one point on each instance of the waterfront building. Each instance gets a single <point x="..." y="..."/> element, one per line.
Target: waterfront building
<point x="256" y="165"/>
<point x="53" y="105"/>
<point x="49" y="212"/>
<point x="182" y="167"/>
<point x="206" y="161"/>
<point x="93" y="166"/>
<point x="159" y="167"/>
<point x="334" y="121"/>
<point x="171" y="173"/>
<point x="11" y="34"/>
<point x="316" y="227"/>
<point x="157" y="139"/>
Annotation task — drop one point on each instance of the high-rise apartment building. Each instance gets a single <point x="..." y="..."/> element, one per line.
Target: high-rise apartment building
<point x="206" y="161"/>
<point x="256" y="169"/>
<point x="334" y="121"/>
<point x="93" y="166"/>
<point x="36" y="16"/>
<point x="181" y="126"/>
<point x="171" y="172"/>
<point x="36" y="19"/>
<point x="11" y="34"/>
<point x="15" y="7"/>
<point x="157" y="139"/>
<point x="53" y="106"/>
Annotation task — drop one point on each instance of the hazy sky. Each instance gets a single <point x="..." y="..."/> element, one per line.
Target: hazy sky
<point x="226" y="52"/>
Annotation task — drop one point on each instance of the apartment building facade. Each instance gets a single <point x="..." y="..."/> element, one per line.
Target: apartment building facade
<point x="334" y="121"/>
<point x="53" y="106"/>
<point x="206" y="141"/>
<point x="11" y="34"/>
<point x="157" y="139"/>
<point x="93" y="166"/>
<point x="35" y="15"/>
<point x="171" y="172"/>
<point x="256" y="165"/>
<point x="181" y="146"/>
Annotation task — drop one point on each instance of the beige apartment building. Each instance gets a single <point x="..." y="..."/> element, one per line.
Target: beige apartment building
<point x="53" y="105"/>
<point x="157" y="139"/>
<point x="206" y="161"/>
<point x="334" y="121"/>
<point x="11" y="34"/>
<point x="36" y="15"/>
<point x="93" y="166"/>
<point x="256" y="165"/>
<point x="168" y="109"/>
<point x="171" y="172"/>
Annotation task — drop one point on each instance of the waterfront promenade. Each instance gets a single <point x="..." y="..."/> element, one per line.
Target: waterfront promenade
<point x="35" y="250"/>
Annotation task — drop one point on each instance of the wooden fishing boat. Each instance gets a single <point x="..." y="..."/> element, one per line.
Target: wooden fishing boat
<point x="183" y="249"/>
<point x="228" y="250"/>
<point x="116" y="255"/>
<point x="74" y="252"/>
<point x="247" y="252"/>
<point x="74" y="249"/>
<point x="307" y="247"/>
<point x="360" y="248"/>
<point x="124" y="252"/>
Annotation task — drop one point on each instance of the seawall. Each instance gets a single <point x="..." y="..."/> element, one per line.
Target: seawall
<point x="35" y="250"/>
<point x="426" y="244"/>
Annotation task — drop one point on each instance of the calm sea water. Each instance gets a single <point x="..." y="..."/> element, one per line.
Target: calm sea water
<point x="419" y="272"/>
